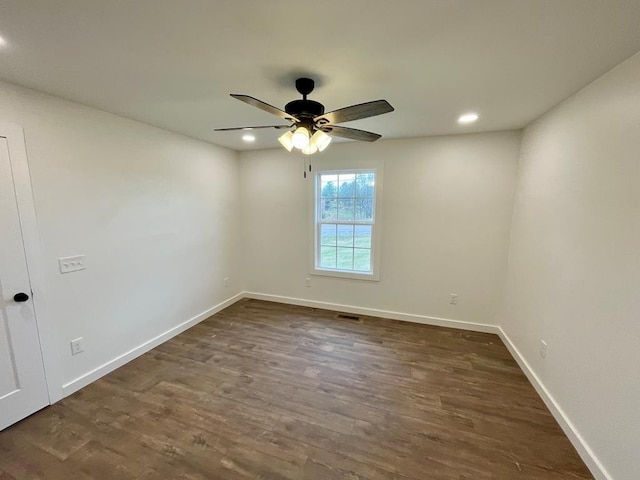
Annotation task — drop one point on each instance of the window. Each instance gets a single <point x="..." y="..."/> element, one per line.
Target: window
<point x="345" y="215"/>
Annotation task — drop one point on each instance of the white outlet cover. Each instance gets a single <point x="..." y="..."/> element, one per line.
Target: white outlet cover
<point x="543" y="349"/>
<point x="76" y="346"/>
<point x="72" y="264"/>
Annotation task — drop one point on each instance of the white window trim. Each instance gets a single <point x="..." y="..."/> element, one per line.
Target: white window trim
<point x="376" y="232"/>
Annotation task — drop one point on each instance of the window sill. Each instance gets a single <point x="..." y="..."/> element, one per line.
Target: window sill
<point x="370" y="277"/>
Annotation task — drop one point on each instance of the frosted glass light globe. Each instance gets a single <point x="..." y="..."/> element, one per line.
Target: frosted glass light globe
<point x="300" y="138"/>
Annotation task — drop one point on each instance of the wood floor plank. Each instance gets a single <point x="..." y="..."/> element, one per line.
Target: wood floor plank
<point x="269" y="391"/>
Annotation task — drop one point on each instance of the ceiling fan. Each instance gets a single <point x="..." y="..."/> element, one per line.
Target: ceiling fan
<point x="310" y="129"/>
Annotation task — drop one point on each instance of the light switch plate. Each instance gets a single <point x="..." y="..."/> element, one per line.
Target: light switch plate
<point x="72" y="264"/>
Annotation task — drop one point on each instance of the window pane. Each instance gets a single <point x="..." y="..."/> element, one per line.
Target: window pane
<point x="364" y="209"/>
<point x="362" y="259"/>
<point x="345" y="235"/>
<point x="329" y="177"/>
<point x="365" y="184"/>
<point x="328" y="257"/>
<point x="329" y="189"/>
<point x="328" y="209"/>
<point x="345" y="209"/>
<point x="346" y="185"/>
<point x="362" y="237"/>
<point x="345" y="258"/>
<point x="328" y="235"/>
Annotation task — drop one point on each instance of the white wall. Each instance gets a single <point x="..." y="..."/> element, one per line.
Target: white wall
<point x="574" y="270"/>
<point x="154" y="212"/>
<point x="447" y="208"/>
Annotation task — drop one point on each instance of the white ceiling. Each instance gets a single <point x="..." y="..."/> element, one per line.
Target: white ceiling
<point x="173" y="63"/>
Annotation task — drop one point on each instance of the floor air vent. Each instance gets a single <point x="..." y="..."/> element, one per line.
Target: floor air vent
<point x="348" y="317"/>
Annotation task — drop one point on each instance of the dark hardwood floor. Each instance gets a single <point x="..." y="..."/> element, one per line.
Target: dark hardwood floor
<point x="269" y="391"/>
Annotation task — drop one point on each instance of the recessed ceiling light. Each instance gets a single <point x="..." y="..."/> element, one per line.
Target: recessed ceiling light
<point x="3" y="42"/>
<point x="248" y="138"/>
<point x="468" y="118"/>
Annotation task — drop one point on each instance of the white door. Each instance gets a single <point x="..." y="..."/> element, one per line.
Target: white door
<point x="23" y="387"/>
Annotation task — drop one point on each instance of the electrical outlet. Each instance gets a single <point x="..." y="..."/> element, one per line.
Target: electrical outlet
<point x="76" y="346"/>
<point x="71" y="264"/>
<point x="543" y="349"/>
<point x="453" y="298"/>
<point x="226" y="281"/>
<point x="307" y="281"/>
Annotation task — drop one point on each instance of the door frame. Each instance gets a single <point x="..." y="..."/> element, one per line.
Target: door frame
<point x="47" y="333"/>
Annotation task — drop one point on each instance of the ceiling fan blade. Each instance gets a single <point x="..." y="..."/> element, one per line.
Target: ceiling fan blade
<point x="352" y="133"/>
<point x="277" y="127"/>
<point x="355" y="112"/>
<point x="265" y="106"/>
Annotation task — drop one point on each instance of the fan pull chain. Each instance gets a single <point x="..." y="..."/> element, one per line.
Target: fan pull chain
<point x="307" y="166"/>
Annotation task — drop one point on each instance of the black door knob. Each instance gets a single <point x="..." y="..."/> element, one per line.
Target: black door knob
<point x="21" y="297"/>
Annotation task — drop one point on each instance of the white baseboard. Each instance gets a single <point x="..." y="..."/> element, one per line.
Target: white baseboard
<point x="117" y="362"/>
<point x="372" y="312"/>
<point x="570" y="430"/>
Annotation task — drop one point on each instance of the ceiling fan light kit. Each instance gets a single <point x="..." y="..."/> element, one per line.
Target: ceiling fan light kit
<point x="310" y="129"/>
<point x="300" y="139"/>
